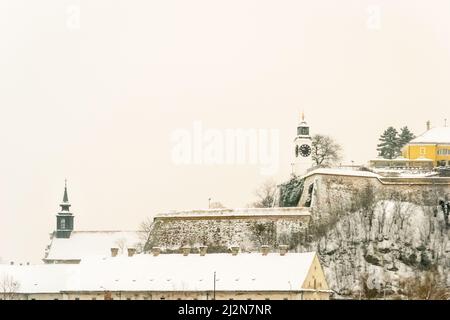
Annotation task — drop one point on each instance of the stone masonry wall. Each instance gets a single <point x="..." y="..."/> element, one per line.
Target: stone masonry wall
<point x="342" y="187"/>
<point x="219" y="233"/>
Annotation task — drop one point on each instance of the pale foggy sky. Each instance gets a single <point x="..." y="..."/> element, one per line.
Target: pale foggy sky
<point x="98" y="104"/>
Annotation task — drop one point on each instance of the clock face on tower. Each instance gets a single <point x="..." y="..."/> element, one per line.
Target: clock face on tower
<point x="305" y="150"/>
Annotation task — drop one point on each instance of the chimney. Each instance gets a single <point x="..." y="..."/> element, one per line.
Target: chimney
<point x="185" y="250"/>
<point x="156" y="251"/>
<point x="234" y="250"/>
<point x="114" y="252"/>
<point x="283" y="249"/>
<point x="203" y="250"/>
<point x="265" y="249"/>
<point x="11" y="263"/>
<point x="131" y="251"/>
<point x="428" y="125"/>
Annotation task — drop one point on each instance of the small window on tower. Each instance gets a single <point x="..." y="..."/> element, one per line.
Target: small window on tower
<point x="63" y="223"/>
<point x="304" y="131"/>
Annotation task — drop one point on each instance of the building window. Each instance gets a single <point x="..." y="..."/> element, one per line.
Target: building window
<point x="162" y="298"/>
<point x="304" y="131"/>
<point x="128" y="298"/>
<point x="63" y="223"/>
<point x="77" y="298"/>
<point x="94" y="298"/>
<point x="422" y="151"/>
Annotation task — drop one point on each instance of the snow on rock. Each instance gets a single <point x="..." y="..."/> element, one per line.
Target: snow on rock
<point x="382" y="246"/>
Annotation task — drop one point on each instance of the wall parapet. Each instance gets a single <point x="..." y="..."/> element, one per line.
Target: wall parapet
<point x="239" y="213"/>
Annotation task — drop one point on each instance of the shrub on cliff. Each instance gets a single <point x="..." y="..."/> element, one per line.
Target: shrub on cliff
<point x="291" y="191"/>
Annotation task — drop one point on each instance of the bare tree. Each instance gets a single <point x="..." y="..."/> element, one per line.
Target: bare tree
<point x="9" y="288"/>
<point x="145" y="230"/>
<point x="429" y="286"/>
<point x="265" y="194"/>
<point x="216" y="205"/>
<point x="325" y="150"/>
<point x="121" y="244"/>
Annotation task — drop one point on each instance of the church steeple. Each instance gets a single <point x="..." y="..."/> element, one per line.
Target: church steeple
<point x="65" y="205"/>
<point x="64" y="218"/>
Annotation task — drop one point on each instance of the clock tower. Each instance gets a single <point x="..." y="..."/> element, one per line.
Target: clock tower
<point x="302" y="149"/>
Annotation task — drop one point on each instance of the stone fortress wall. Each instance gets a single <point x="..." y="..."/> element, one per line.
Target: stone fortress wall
<point x="322" y="185"/>
<point x="250" y="228"/>
<point x="219" y="229"/>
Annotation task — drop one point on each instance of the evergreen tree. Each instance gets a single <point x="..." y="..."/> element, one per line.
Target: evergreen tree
<point x="389" y="144"/>
<point x="405" y="136"/>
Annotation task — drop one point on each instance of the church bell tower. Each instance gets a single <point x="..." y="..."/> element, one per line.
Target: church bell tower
<point x="64" y="218"/>
<point x="302" y="148"/>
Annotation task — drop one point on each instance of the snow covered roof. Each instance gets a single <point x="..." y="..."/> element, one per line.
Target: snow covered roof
<point x="400" y="158"/>
<point x="237" y="213"/>
<point x="439" y="135"/>
<point x="84" y="244"/>
<point x="422" y="159"/>
<point x="44" y="278"/>
<point x="168" y="272"/>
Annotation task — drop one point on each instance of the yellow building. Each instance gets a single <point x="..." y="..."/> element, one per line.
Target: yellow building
<point x="432" y="148"/>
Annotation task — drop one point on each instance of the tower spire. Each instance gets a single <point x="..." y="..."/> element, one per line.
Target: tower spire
<point x="65" y="197"/>
<point x="64" y="218"/>
<point x="303" y="115"/>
